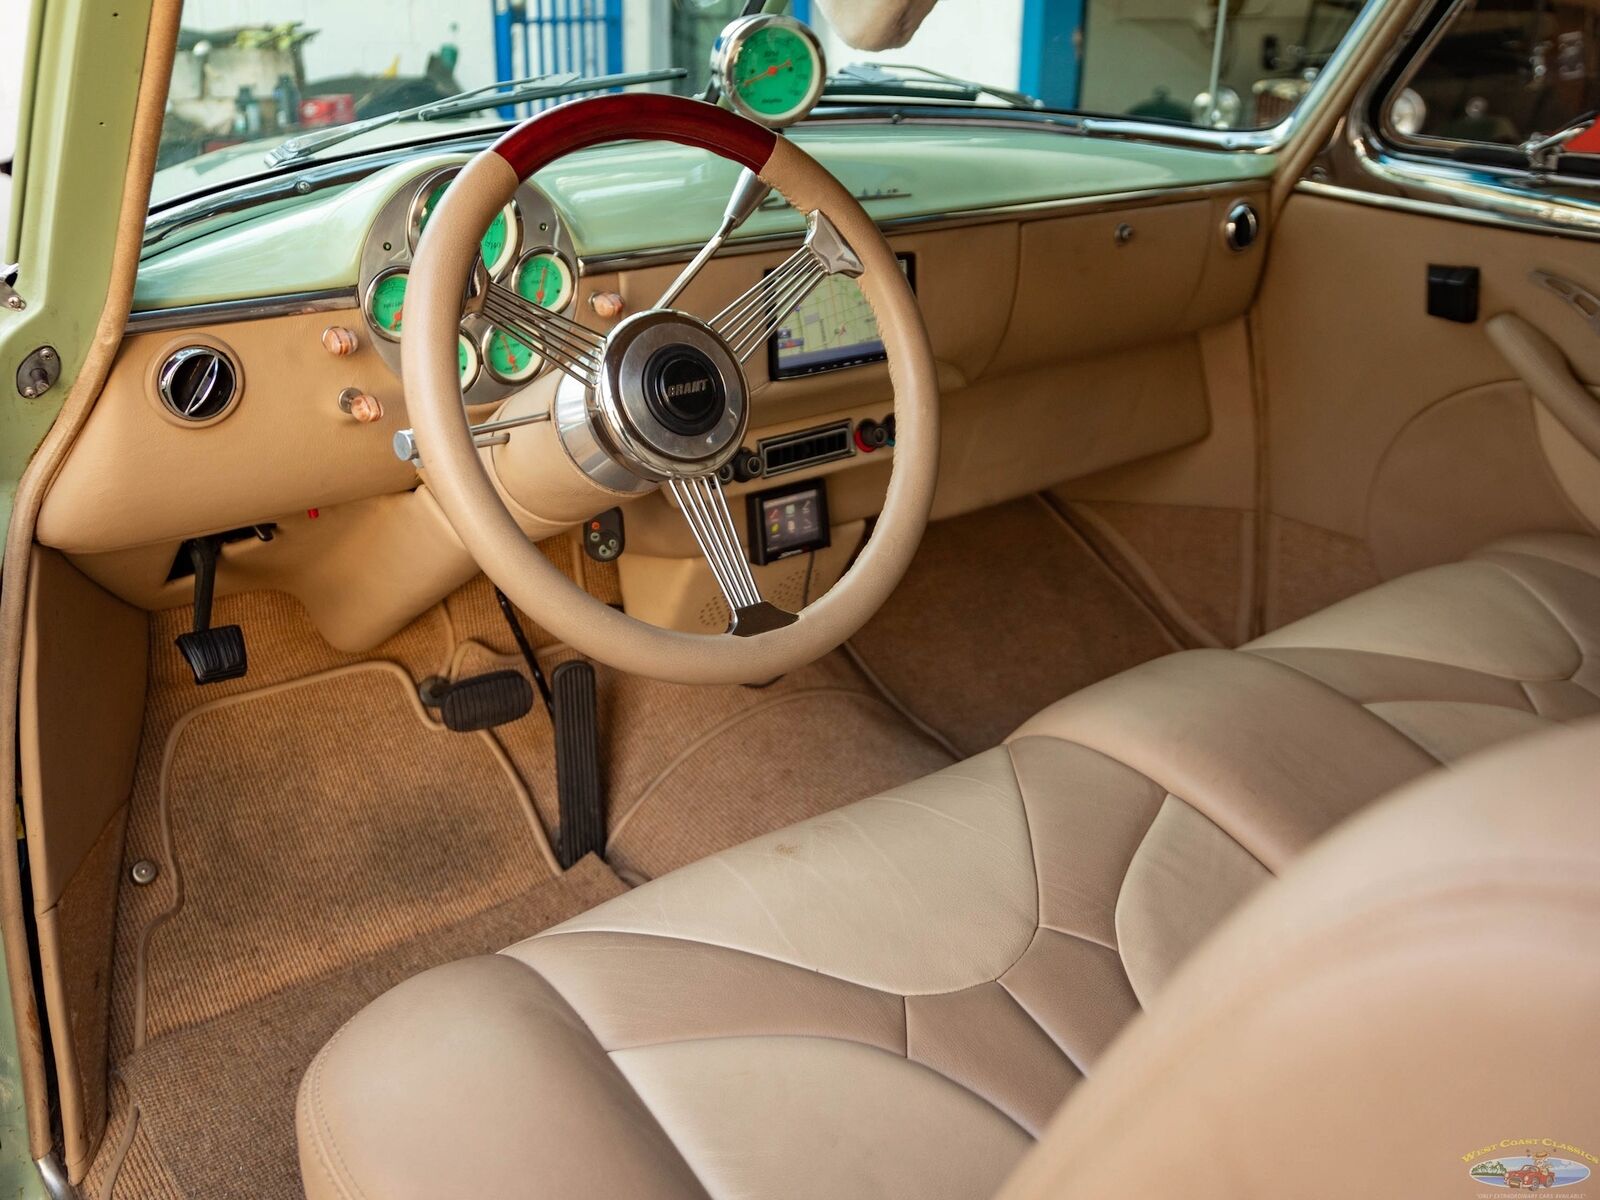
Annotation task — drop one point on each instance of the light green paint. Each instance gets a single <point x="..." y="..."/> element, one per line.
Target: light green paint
<point x="19" y="1177"/>
<point x="648" y="195"/>
<point x="79" y="88"/>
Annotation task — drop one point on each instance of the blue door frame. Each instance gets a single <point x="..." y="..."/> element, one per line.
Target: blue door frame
<point x="1052" y="51"/>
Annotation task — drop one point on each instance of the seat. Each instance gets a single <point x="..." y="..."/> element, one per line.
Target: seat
<point x="895" y="998"/>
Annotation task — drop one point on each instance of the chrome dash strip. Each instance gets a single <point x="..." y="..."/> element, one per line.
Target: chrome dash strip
<point x="153" y="320"/>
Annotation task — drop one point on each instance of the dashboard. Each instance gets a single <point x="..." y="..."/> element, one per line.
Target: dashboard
<point x="1062" y="280"/>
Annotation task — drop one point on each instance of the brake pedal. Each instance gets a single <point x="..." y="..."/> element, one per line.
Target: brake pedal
<point x="213" y="654"/>
<point x="479" y="701"/>
<point x="576" y="717"/>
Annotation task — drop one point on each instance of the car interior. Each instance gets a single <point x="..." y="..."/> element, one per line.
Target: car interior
<point x="794" y="625"/>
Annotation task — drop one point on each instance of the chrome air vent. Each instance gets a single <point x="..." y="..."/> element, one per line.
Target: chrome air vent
<point x="804" y="448"/>
<point x="197" y="383"/>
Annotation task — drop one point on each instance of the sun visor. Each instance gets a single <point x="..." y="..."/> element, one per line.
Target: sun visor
<point x="876" y="24"/>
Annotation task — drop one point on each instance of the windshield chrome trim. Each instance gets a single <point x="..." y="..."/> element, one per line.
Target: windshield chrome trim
<point x="218" y="312"/>
<point x="181" y="210"/>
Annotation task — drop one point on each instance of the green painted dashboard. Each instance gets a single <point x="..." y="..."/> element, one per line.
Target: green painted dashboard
<point x="638" y="197"/>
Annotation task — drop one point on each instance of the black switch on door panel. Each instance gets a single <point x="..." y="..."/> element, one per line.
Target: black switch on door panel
<point x="1453" y="293"/>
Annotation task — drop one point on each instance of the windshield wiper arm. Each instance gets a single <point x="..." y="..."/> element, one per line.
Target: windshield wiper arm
<point x="493" y="95"/>
<point x="897" y="76"/>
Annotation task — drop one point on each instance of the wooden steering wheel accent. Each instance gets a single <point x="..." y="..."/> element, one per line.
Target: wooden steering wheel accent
<point x="637" y="116"/>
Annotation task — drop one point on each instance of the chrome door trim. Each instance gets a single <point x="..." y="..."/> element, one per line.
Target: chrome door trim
<point x="1362" y="166"/>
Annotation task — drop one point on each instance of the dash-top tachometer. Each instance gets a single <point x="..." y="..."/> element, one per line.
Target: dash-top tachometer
<point x="770" y="68"/>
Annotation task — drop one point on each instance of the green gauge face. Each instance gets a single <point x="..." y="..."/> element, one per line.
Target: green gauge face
<point x="466" y="361"/>
<point x="509" y="359"/>
<point x="386" y="304"/>
<point x="774" y="73"/>
<point x="496" y="244"/>
<point x="544" y="279"/>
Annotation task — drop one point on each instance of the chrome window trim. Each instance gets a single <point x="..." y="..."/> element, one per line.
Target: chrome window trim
<point x="1362" y="166"/>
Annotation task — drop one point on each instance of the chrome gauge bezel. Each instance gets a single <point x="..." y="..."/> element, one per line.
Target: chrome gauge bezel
<point x="369" y="298"/>
<point x="725" y="54"/>
<point x="485" y="336"/>
<point x="474" y="360"/>
<point x="569" y="277"/>
<point x="389" y="249"/>
<point x="419" y="200"/>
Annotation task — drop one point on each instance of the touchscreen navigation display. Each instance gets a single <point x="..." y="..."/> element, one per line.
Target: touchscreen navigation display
<point x="832" y="327"/>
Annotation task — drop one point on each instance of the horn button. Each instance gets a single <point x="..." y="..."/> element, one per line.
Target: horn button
<point x="683" y="390"/>
<point x="672" y="402"/>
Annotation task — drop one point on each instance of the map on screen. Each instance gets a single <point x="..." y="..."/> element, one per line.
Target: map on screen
<point x="832" y="327"/>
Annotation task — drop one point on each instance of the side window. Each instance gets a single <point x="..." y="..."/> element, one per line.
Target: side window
<point x="1513" y="74"/>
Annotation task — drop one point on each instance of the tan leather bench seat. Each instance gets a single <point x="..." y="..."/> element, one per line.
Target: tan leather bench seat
<point x="894" y="998"/>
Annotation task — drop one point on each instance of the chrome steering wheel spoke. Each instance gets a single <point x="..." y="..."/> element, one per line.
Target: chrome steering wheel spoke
<point x="705" y="508"/>
<point x="751" y="319"/>
<point x="561" y="340"/>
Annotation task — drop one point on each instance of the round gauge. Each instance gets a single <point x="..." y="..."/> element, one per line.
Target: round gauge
<point x="386" y="301"/>
<point x="770" y="68"/>
<point x="544" y="278"/>
<point x="466" y="361"/>
<point x="509" y="360"/>
<point x="499" y="240"/>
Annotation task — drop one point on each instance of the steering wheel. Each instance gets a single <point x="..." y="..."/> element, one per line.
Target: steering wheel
<point x="662" y="401"/>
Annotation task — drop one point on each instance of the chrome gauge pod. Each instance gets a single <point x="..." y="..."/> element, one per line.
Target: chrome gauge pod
<point x="670" y="402"/>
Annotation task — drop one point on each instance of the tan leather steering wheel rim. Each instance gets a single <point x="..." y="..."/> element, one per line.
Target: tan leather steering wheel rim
<point x="456" y="475"/>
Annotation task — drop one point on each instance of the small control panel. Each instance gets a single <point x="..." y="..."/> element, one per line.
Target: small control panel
<point x="789" y="520"/>
<point x="603" y="537"/>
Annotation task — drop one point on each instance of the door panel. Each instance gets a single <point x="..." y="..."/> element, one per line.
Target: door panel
<point x="1396" y="440"/>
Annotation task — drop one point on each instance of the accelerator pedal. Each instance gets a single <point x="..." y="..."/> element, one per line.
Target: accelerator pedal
<point x="479" y="701"/>
<point x="569" y="694"/>
<point x="213" y="653"/>
<point x="576" y="717"/>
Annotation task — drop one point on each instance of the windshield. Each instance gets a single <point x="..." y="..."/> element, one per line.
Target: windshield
<point x="252" y="74"/>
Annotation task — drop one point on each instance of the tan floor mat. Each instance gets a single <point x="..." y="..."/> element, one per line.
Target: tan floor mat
<point x="216" y="1101"/>
<point x="689" y="771"/>
<point x="1002" y="613"/>
<point x="322" y="839"/>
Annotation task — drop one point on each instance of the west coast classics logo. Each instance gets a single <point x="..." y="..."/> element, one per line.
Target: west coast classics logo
<point x="1530" y="1164"/>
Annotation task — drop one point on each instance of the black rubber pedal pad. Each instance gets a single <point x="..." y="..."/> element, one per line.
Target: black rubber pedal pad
<point x="577" y="725"/>
<point x="484" y="701"/>
<point x="214" y="654"/>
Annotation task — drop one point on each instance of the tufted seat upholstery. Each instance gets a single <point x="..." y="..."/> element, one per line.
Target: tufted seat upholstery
<point x="893" y="999"/>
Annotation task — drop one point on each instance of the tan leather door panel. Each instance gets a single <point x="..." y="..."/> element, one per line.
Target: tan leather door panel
<point x="1396" y="440"/>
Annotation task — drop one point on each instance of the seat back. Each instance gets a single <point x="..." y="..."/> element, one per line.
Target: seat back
<point x="1417" y="996"/>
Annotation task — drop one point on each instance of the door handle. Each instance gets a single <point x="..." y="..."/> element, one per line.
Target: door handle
<point x="1541" y="365"/>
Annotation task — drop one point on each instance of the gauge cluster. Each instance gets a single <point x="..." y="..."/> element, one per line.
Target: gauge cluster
<point x="526" y="247"/>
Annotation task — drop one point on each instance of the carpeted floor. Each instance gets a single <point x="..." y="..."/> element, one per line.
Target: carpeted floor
<point x="318" y="837"/>
<point x="1002" y="613"/>
<point x="689" y="771"/>
<point x="303" y="884"/>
